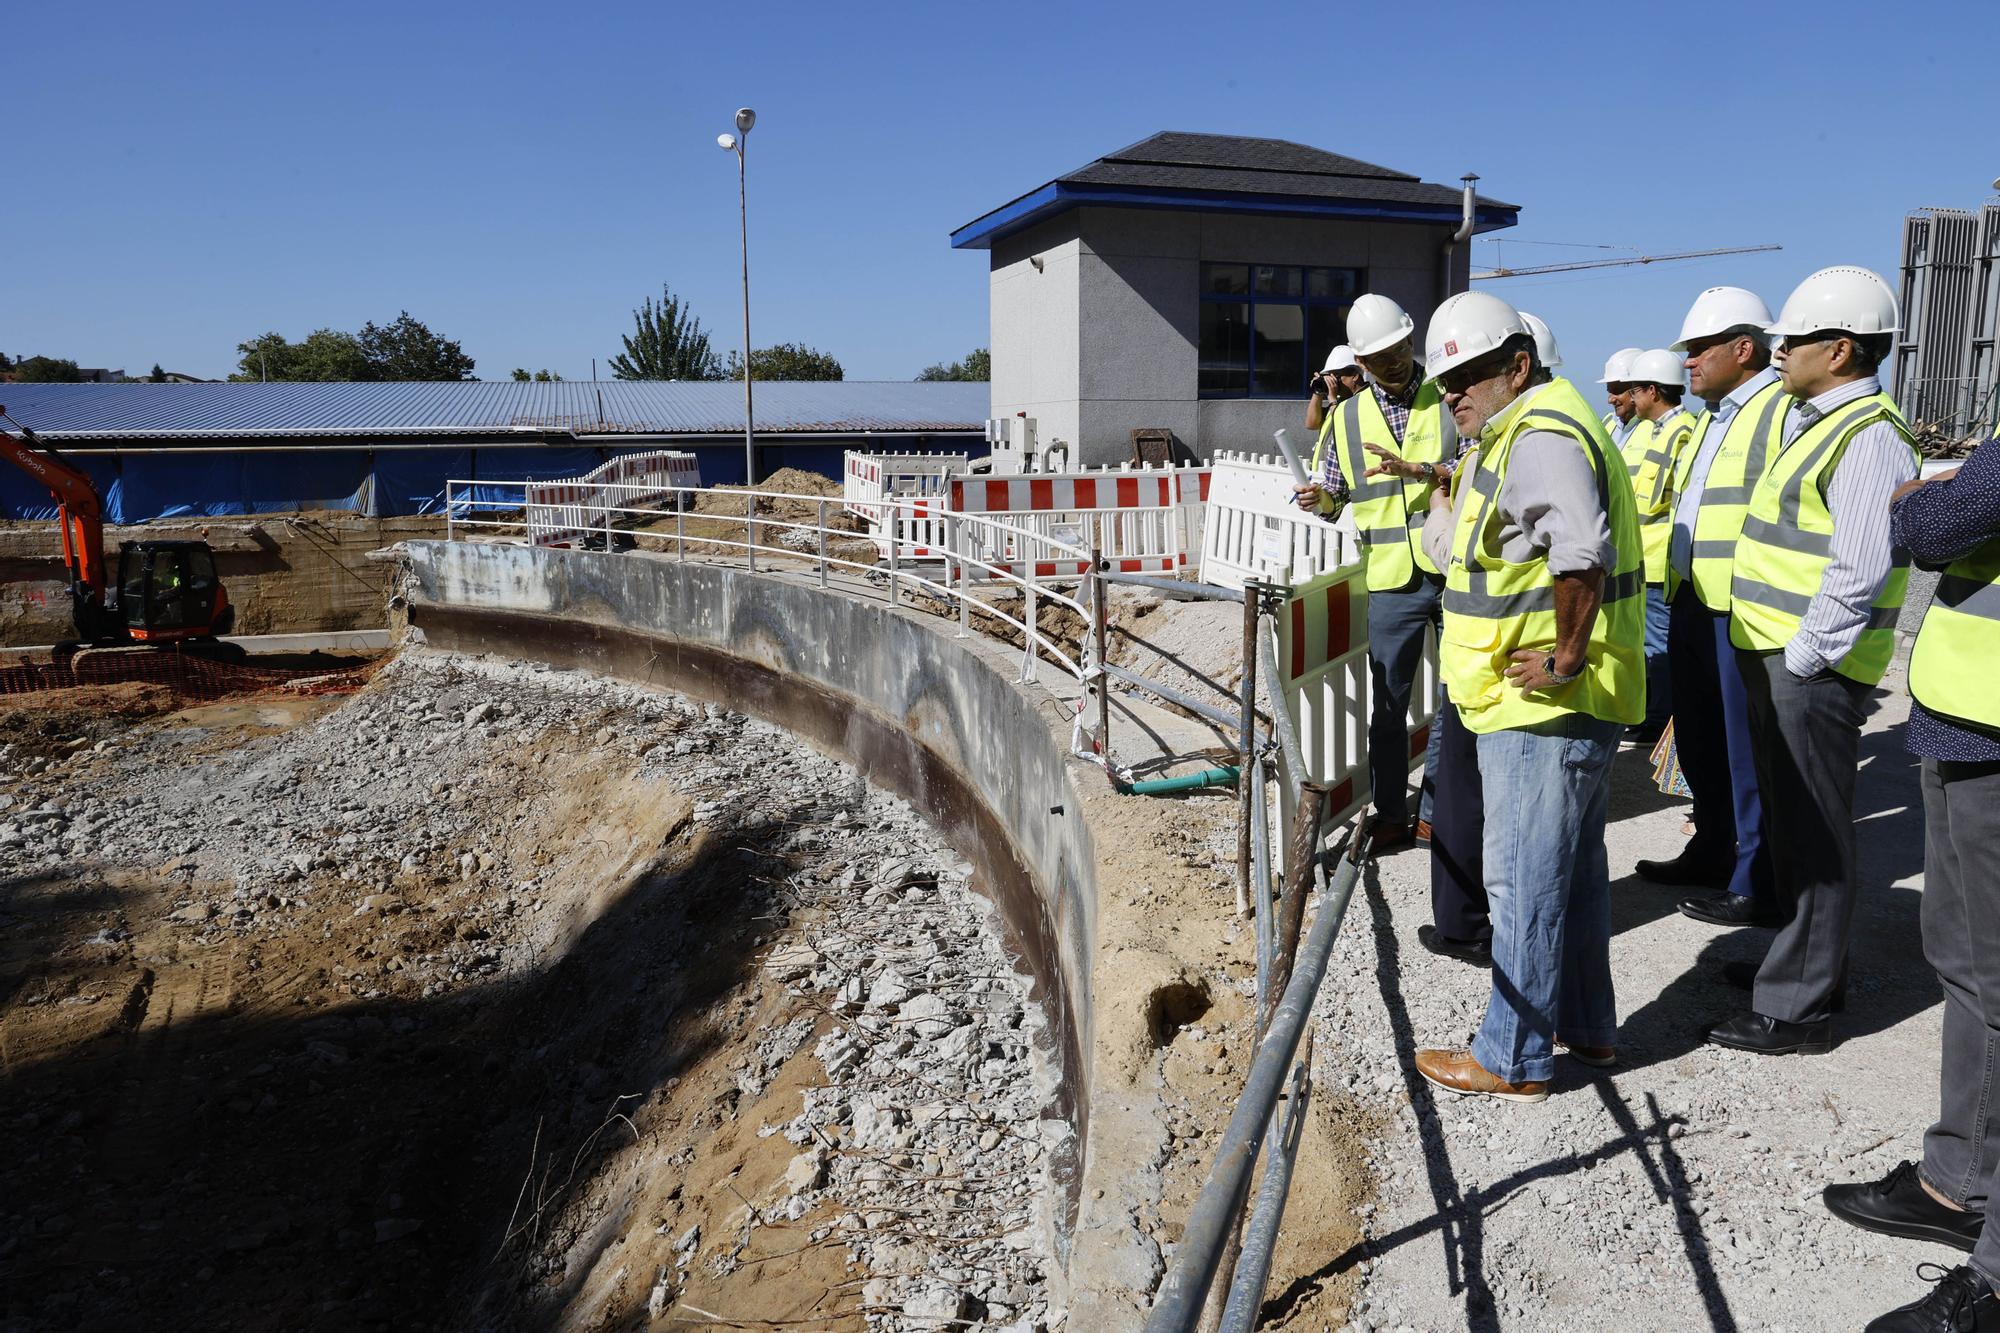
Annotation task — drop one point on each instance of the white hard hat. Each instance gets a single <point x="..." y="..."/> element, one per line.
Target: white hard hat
<point x="1658" y="366"/>
<point x="1546" y="350"/>
<point x="1375" y="324"/>
<point x="1468" y="326"/>
<point x="1720" y="309"/>
<point x="1852" y="300"/>
<point x="1340" y="358"/>
<point x="1618" y="366"/>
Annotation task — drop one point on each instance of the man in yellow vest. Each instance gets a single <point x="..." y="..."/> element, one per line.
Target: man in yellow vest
<point x="1618" y="393"/>
<point x="1402" y="415"/>
<point x="1813" y="602"/>
<point x="1661" y="428"/>
<point x="1728" y="358"/>
<point x="1543" y="655"/>
<point x="1951" y="523"/>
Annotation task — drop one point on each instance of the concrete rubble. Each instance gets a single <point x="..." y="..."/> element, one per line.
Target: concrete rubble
<point x="930" y="1143"/>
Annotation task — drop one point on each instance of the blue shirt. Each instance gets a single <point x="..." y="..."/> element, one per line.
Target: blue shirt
<point x="1680" y="550"/>
<point x="1937" y="523"/>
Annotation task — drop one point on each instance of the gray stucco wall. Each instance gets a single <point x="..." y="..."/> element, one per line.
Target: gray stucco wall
<point x="1127" y="279"/>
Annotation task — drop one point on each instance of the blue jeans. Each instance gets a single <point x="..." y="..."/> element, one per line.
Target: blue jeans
<point x="1548" y="790"/>
<point x="1659" y="679"/>
<point x="1396" y="623"/>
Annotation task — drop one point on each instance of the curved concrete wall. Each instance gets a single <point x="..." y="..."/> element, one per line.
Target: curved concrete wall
<point x="935" y="718"/>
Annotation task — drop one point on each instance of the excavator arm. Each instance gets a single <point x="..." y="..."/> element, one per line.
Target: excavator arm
<point x="80" y="512"/>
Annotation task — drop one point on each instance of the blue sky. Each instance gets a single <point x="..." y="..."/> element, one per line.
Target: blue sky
<point x="520" y="176"/>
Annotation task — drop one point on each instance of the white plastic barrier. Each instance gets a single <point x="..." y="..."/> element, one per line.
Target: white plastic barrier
<point x="866" y="479"/>
<point x="559" y="512"/>
<point x="1139" y="515"/>
<point x="1252" y="530"/>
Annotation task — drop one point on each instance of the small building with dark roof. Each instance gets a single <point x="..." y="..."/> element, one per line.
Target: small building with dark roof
<point x="1191" y="282"/>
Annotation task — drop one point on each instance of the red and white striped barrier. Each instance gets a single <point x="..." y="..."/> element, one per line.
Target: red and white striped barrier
<point x="559" y="512"/>
<point x="866" y="479"/>
<point x="1253" y="531"/>
<point x="1143" y="516"/>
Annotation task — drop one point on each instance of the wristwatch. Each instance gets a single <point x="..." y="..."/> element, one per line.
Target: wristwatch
<point x="1430" y="471"/>
<point x="1556" y="677"/>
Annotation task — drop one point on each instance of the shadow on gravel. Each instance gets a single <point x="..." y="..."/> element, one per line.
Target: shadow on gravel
<point x="354" y="1165"/>
<point x="1459" y="1216"/>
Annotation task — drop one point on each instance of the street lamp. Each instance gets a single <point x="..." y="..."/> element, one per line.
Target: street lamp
<point x="734" y="143"/>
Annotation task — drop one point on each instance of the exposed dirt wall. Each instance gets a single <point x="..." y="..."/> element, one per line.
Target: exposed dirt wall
<point x="286" y="573"/>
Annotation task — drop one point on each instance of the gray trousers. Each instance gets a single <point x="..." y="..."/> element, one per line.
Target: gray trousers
<point x="1961" y="914"/>
<point x="1806" y="738"/>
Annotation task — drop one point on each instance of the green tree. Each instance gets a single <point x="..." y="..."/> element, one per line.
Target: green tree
<point x="47" y="370"/>
<point x="786" y="361"/>
<point x="540" y="376"/>
<point x="667" y="344"/>
<point x="407" y="350"/>
<point x="326" y="355"/>
<point x="978" y="365"/>
<point x="158" y="376"/>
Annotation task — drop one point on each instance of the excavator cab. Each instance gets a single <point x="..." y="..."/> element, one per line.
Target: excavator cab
<point x="168" y="590"/>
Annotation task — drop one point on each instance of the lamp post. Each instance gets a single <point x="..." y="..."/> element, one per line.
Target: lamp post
<point x="735" y="143"/>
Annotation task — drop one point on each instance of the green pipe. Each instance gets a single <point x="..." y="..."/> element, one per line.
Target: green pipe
<point x="1208" y="777"/>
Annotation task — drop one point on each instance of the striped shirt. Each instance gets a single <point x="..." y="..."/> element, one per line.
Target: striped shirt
<point x="1878" y="460"/>
<point x="1395" y="410"/>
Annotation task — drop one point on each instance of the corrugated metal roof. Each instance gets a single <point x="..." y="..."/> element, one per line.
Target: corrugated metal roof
<point x="211" y="411"/>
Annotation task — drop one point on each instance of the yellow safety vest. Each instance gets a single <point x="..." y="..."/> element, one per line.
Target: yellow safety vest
<point x="1389" y="512"/>
<point x="1493" y="608"/>
<point x="1652" y="452"/>
<point x="1755" y="435"/>
<point x="1787" y="543"/>
<point x="1959" y="639"/>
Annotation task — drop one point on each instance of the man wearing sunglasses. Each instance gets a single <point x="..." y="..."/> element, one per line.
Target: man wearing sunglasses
<point x="1813" y="603"/>
<point x="1543" y="655"/>
<point x="1729" y="368"/>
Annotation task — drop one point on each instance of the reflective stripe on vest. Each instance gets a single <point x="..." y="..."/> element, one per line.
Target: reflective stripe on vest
<point x="1653" y="452"/>
<point x="1388" y="511"/>
<point x="1787" y="543"/>
<point x="1493" y="609"/>
<point x="1754" y="437"/>
<point x="1959" y="641"/>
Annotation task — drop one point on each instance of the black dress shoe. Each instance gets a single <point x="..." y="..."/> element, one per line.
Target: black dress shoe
<point x="1726" y="909"/>
<point x="1743" y="976"/>
<point x="1682" y="870"/>
<point x="1961" y="1302"/>
<point x="1899" y="1205"/>
<point x="1476" y="952"/>
<point x="1773" y="1036"/>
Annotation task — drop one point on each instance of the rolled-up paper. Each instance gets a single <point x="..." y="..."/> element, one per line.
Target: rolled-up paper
<point x="1284" y="440"/>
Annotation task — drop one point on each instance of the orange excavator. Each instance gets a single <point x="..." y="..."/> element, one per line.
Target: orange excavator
<point x="166" y="593"/>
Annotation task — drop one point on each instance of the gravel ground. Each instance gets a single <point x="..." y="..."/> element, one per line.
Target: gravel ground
<point x="758" y="1045"/>
<point x="1679" y="1190"/>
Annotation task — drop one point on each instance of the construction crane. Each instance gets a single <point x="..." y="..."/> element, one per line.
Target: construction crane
<point x="1492" y="274"/>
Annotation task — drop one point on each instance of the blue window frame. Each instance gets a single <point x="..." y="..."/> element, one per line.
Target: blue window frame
<point x="1265" y="327"/>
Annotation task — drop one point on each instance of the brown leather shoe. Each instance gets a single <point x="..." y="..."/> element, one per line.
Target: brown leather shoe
<point x="1598" y="1057"/>
<point x="1424" y="832"/>
<point x="1458" y="1072"/>
<point x="1391" y="835"/>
